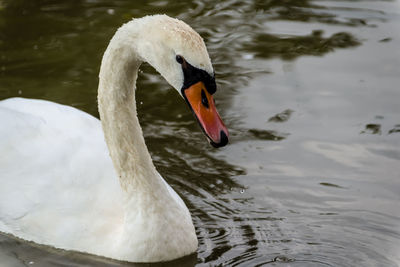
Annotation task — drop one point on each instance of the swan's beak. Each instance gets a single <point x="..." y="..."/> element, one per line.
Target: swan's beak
<point x="202" y="104"/>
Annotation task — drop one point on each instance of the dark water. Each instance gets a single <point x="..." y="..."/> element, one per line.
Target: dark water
<point x="309" y="91"/>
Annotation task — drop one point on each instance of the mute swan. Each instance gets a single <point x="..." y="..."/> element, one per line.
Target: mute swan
<point x="61" y="185"/>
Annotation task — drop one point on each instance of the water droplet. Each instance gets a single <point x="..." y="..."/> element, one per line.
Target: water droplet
<point x="20" y="92"/>
<point x="141" y="103"/>
<point x="31" y="262"/>
<point x="241" y="191"/>
<point x="247" y="56"/>
<point x="110" y="11"/>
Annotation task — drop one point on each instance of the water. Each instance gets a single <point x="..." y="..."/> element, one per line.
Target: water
<point x="309" y="91"/>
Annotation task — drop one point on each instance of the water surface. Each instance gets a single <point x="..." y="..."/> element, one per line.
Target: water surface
<point x="309" y="91"/>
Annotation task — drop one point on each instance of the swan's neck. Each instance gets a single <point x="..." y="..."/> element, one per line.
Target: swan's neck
<point x="117" y="108"/>
<point x="157" y="225"/>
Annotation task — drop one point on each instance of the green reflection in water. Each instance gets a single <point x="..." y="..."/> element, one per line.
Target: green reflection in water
<point x="315" y="44"/>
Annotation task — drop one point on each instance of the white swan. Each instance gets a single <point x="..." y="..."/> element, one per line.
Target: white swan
<point x="58" y="184"/>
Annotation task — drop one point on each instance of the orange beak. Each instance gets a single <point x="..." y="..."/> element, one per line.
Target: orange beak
<point x="202" y="104"/>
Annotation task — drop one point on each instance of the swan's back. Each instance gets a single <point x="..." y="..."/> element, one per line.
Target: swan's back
<point x="48" y="157"/>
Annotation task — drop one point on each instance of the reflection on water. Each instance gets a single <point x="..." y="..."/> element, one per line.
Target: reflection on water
<point x="315" y="44"/>
<point x="282" y="116"/>
<point x="372" y="128"/>
<point x="16" y="252"/>
<point x="396" y="129"/>
<point x="310" y="177"/>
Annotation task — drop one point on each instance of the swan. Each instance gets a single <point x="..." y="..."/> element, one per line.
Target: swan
<point x="71" y="181"/>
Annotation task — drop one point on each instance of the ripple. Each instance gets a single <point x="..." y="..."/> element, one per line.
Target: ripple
<point x="372" y="128"/>
<point x="282" y="116"/>
<point x="330" y="185"/>
<point x="395" y="129"/>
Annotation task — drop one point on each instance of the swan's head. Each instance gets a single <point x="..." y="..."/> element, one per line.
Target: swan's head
<point x="179" y="54"/>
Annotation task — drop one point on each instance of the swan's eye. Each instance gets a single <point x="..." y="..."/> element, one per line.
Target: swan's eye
<point x="179" y="59"/>
<point x="204" y="99"/>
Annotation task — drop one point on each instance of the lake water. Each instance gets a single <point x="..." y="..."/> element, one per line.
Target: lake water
<point x="310" y="91"/>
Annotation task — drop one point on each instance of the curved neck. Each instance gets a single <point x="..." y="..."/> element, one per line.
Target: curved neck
<point x="117" y="108"/>
<point x="157" y="225"/>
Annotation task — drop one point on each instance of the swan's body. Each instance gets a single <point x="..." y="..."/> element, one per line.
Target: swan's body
<point x="58" y="184"/>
